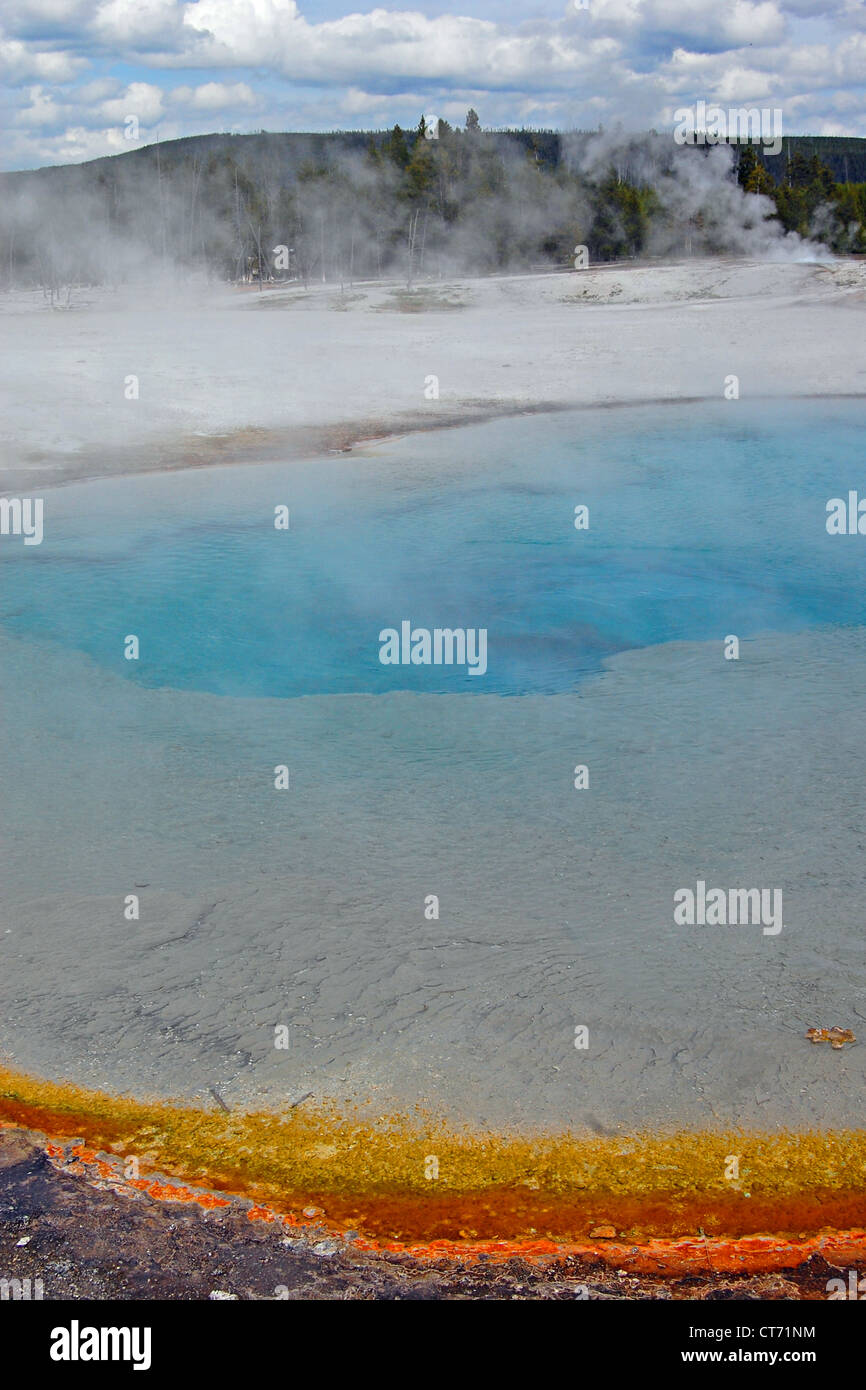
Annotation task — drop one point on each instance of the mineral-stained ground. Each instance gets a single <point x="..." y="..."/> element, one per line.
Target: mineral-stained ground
<point x="86" y="1243"/>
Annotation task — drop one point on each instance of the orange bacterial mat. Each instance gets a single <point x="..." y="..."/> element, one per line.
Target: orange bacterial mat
<point x="677" y="1203"/>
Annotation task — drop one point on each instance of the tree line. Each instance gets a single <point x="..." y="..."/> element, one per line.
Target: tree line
<point x="809" y="200"/>
<point x="433" y="201"/>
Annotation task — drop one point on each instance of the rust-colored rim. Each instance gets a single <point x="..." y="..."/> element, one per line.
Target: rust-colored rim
<point x="675" y="1203"/>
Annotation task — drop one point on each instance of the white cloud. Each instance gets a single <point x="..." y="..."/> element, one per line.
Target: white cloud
<point x="214" y="96"/>
<point x="141" y="99"/>
<point x="713" y="25"/>
<point x="42" y="110"/>
<point x="849" y="59"/>
<point x="39" y="16"/>
<point x="629" y="61"/>
<point x="134" y="24"/>
<point x="20" y="62"/>
<point x="358" y="103"/>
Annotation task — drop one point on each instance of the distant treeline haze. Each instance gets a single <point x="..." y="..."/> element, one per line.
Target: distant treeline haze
<point x="424" y="203"/>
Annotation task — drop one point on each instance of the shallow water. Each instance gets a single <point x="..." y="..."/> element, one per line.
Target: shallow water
<point x="701" y="523"/>
<point x="306" y="907"/>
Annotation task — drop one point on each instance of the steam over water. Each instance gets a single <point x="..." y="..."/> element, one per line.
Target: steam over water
<point x="306" y="907"/>
<point x="700" y="524"/>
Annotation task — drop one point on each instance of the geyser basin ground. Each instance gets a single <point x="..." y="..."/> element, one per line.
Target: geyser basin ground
<point x="305" y="908"/>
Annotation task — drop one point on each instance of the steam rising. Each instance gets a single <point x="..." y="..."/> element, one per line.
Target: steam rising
<point x="350" y="206"/>
<point x="704" y="210"/>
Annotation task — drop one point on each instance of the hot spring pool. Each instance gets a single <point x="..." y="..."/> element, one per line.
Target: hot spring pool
<point x="700" y="523"/>
<point x="418" y="788"/>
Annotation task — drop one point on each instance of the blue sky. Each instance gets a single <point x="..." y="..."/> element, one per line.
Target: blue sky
<point x="74" y="71"/>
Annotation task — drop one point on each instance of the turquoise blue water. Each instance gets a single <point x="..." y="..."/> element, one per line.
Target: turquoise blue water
<point x="308" y="906"/>
<point x="703" y="522"/>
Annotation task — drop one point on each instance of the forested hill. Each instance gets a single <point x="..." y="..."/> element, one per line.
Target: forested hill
<point x="434" y="200"/>
<point x="843" y="155"/>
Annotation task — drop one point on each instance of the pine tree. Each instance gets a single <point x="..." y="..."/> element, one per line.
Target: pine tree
<point x="398" y="150"/>
<point x="747" y="164"/>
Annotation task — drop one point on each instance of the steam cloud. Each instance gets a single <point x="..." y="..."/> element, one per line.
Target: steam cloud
<point x="470" y="203"/>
